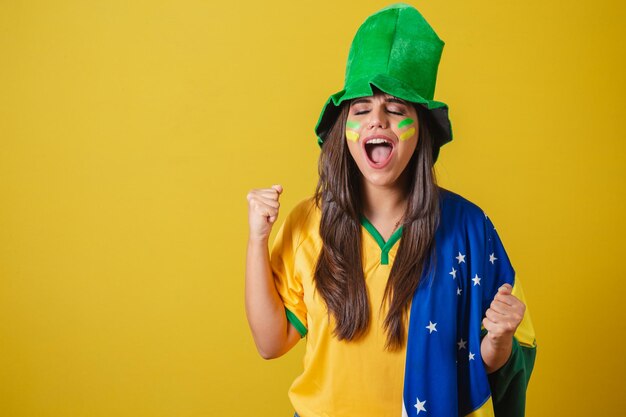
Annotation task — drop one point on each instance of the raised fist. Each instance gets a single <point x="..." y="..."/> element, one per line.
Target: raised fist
<point x="263" y="210"/>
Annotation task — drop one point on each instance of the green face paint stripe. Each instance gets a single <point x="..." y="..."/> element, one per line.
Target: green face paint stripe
<point x="351" y="124"/>
<point x="353" y="136"/>
<point x="405" y="122"/>
<point x="407" y="134"/>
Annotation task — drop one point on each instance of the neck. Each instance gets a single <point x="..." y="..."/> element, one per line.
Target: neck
<point x="383" y="202"/>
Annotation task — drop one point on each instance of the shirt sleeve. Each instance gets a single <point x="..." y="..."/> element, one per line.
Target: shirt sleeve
<point x="509" y="383"/>
<point x="283" y="259"/>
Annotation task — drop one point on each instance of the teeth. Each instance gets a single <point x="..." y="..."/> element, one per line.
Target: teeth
<point x="378" y="140"/>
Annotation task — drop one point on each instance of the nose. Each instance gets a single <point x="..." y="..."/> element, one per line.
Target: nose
<point x="377" y="119"/>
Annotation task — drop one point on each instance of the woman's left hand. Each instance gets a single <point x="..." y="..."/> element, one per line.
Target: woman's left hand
<point x="503" y="316"/>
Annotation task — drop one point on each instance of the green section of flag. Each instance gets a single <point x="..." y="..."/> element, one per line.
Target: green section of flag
<point x="509" y="383"/>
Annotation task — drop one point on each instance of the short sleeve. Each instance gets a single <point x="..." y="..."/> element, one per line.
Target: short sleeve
<point x="509" y="383"/>
<point x="283" y="258"/>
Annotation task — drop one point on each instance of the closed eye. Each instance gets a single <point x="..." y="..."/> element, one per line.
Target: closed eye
<point x="357" y="113"/>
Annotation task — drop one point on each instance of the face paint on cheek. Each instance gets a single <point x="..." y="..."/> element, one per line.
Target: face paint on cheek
<point x="351" y="124"/>
<point x="406" y="135"/>
<point x="409" y="132"/>
<point x="405" y="122"/>
<point x="350" y="134"/>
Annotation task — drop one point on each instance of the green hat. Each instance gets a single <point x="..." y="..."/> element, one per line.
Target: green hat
<point x="396" y="51"/>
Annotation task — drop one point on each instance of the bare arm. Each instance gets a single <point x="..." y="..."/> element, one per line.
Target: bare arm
<point x="495" y="355"/>
<point x="272" y="332"/>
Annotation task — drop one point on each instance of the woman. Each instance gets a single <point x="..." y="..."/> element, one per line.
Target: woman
<point x="368" y="268"/>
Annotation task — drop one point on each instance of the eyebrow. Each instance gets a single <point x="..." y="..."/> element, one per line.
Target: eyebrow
<point x="387" y="99"/>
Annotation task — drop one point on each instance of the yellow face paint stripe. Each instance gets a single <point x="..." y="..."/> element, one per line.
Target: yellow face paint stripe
<point x="410" y="132"/>
<point x="351" y="135"/>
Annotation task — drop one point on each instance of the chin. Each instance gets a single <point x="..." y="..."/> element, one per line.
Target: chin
<point x="381" y="179"/>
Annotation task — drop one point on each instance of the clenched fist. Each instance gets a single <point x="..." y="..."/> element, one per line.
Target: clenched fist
<point x="503" y="316"/>
<point x="263" y="211"/>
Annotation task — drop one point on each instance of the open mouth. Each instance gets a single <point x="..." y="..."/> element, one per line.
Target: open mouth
<point x="378" y="151"/>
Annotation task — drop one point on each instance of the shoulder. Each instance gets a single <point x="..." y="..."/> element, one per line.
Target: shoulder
<point x="304" y="207"/>
<point x="304" y="212"/>
<point x="458" y="208"/>
<point x="303" y="219"/>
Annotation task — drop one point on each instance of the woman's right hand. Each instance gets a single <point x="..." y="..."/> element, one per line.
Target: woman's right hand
<point x="263" y="211"/>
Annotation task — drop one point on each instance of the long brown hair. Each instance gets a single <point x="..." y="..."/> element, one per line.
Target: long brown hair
<point x="339" y="276"/>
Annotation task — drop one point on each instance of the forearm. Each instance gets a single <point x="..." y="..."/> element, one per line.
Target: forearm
<point x="495" y="353"/>
<point x="264" y="308"/>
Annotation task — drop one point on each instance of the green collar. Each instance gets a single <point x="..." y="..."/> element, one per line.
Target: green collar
<point x="385" y="247"/>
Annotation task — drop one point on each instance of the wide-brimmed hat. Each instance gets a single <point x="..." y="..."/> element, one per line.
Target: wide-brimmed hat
<point x="396" y="51"/>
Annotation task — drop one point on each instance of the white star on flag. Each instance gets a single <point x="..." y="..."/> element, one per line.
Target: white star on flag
<point x="460" y="258"/>
<point x="492" y="258"/>
<point x="462" y="344"/>
<point x="420" y="405"/>
<point x="431" y="326"/>
<point x="471" y="356"/>
<point x="458" y="291"/>
<point x="453" y="273"/>
<point x="476" y="280"/>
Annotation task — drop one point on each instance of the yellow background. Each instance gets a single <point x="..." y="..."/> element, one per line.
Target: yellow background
<point x="131" y="132"/>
